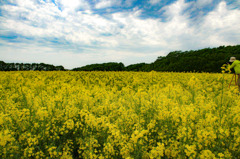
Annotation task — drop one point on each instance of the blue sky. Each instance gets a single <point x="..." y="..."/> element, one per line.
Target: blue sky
<point x="76" y="33"/>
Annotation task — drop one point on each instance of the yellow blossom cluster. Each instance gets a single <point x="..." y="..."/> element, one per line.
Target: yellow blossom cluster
<point x="147" y="115"/>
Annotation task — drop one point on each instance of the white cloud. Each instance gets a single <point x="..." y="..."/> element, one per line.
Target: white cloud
<point x="121" y="37"/>
<point x="153" y="2"/>
<point x="202" y="3"/>
<point x="107" y="3"/>
<point x="129" y="3"/>
<point x="48" y="22"/>
<point x="176" y="9"/>
<point x="72" y="5"/>
<point x="154" y="32"/>
<point x="180" y="32"/>
<point x="25" y="3"/>
<point x="103" y="4"/>
<point x="220" y="27"/>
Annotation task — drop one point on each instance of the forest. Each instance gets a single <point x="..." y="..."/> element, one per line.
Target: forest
<point x="203" y="60"/>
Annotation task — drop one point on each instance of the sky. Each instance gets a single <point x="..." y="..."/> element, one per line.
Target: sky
<point x="75" y="33"/>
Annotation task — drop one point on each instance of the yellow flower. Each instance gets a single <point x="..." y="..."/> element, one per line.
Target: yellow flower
<point x="158" y="151"/>
<point x="207" y="154"/>
<point x="118" y="115"/>
<point x="190" y="150"/>
<point x="69" y="124"/>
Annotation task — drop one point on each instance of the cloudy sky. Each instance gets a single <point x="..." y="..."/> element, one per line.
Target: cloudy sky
<point x="75" y="33"/>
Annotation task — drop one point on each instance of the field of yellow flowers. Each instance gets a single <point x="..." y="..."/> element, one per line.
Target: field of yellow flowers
<point x="118" y="115"/>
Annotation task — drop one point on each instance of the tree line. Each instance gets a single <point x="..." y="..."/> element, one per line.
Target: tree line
<point x="29" y="67"/>
<point x="203" y="60"/>
<point x="111" y="66"/>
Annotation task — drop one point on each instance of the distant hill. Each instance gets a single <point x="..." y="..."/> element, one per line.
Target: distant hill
<point x="203" y="60"/>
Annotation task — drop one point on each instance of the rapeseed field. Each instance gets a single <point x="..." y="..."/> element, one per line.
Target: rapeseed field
<point x="128" y="115"/>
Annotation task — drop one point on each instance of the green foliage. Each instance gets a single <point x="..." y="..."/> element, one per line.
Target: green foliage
<point x="27" y="67"/>
<point x="204" y="60"/>
<point x="139" y="67"/>
<point x="111" y="66"/>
